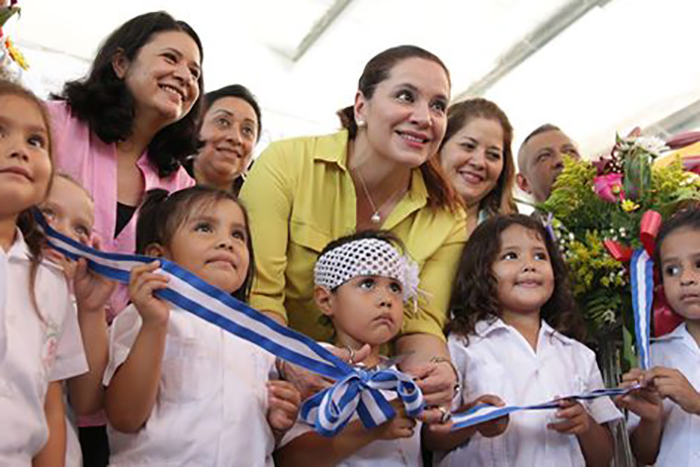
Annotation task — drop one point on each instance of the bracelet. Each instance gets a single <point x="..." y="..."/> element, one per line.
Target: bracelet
<point x="441" y="359"/>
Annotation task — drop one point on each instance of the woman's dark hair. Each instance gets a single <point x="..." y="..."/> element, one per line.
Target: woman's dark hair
<point x="687" y="217"/>
<point x="475" y="290"/>
<point x="377" y="70"/>
<point x="238" y="91"/>
<point x="103" y="101"/>
<point x="500" y="199"/>
<point x="162" y="214"/>
<point x="33" y="235"/>
<point x="234" y="90"/>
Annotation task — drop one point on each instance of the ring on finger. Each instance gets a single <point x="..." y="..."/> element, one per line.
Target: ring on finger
<point x="352" y="354"/>
<point x="446" y="415"/>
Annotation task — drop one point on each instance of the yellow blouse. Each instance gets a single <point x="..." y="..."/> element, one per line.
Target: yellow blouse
<point x="300" y="196"/>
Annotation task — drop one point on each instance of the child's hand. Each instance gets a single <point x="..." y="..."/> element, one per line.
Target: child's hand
<point x="401" y="426"/>
<point x="143" y="282"/>
<point x="92" y="290"/>
<point x="493" y="427"/>
<point x="576" y="419"/>
<point x="283" y="405"/>
<point x="57" y="258"/>
<point x="309" y="383"/>
<point x="644" y="402"/>
<point x="671" y="383"/>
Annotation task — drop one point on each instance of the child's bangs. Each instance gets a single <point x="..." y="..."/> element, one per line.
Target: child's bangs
<point x="195" y="205"/>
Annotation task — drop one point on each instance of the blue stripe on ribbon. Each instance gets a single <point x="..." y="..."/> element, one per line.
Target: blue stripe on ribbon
<point x="356" y="391"/>
<point x="330" y="410"/>
<point x="325" y="410"/>
<point x="642" y="278"/>
<point x="484" y="412"/>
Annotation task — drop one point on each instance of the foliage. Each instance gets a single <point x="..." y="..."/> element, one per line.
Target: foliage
<point x="596" y="209"/>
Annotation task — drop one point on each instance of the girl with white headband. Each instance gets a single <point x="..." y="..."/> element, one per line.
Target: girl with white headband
<point x="361" y="284"/>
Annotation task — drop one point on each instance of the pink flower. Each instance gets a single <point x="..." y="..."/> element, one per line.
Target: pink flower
<point x="609" y="187"/>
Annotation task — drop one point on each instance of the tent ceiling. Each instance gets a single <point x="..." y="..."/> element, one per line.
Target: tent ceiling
<point x="628" y="62"/>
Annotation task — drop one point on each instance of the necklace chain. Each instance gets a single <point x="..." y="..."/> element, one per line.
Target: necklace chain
<point x="376" y="217"/>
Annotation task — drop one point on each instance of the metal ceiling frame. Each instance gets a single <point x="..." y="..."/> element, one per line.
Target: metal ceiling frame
<point x="531" y="44"/>
<point x="319" y="28"/>
<point x="682" y="120"/>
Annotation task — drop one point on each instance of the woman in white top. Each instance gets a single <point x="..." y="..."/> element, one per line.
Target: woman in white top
<point x="511" y="313"/>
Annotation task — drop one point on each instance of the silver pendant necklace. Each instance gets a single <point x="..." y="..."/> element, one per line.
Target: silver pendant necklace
<point x="376" y="217"/>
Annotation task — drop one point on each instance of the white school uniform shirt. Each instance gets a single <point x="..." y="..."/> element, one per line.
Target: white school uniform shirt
<point x="211" y="408"/>
<point x="386" y="453"/>
<point x="680" y="441"/>
<point x="497" y="360"/>
<point x="34" y="352"/>
<point x="74" y="454"/>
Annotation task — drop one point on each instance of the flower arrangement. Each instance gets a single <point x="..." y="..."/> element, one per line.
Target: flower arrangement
<point x="599" y="213"/>
<point x="9" y="53"/>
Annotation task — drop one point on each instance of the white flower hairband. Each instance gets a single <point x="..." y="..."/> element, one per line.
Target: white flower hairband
<point x="367" y="257"/>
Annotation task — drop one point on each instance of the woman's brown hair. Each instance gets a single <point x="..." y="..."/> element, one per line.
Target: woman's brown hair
<point x="500" y="199"/>
<point x="475" y="290"/>
<point x="441" y="193"/>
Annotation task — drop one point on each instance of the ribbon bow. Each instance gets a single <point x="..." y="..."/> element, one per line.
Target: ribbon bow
<point x="649" y="227"/>
<point x="331" y="409"/>
<point x="642" y="280"/>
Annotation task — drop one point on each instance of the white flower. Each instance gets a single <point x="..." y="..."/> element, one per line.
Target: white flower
<point x="411" y="278"/>
<point x="651" y="144"/>
<point x="609" y="316"/>
<point x="690" y="178"/>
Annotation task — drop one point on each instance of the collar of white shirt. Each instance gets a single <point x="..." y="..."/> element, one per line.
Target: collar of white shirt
<point x="19" y="249"/>
<point x="680" y="333"/>
<point x="484" y="328"/>
<point x="19" y="252"/>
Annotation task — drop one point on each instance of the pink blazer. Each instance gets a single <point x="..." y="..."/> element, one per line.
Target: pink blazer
<point x="93" y="163"/>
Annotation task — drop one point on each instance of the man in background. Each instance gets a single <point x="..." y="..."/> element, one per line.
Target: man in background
<point x="540" y="160"/>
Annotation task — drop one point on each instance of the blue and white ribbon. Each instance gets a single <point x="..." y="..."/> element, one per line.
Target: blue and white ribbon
<point x="331" y="409"/>
<point x="355" y="391"/>
<point x="642" y="279"/>
<point x="485" y="412"/>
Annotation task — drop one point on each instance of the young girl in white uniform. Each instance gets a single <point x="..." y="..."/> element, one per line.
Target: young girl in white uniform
<point x="510" y="337"/>
<point x="361" y="282"/>
<point x="181" y="391"/>
<point x="665" y="413"/>
<point x="70" y="210"/>
<point x="40" y="342"/>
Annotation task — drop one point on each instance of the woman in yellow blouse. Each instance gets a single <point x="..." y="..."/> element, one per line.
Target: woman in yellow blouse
<point x="380" y="171"/>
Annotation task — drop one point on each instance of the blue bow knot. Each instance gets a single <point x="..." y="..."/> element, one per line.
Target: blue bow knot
<point x="331" y="409"/>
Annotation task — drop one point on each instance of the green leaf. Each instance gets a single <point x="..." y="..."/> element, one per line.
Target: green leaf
<point x="637" y="180"/>
<point x="7" y="13"/>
